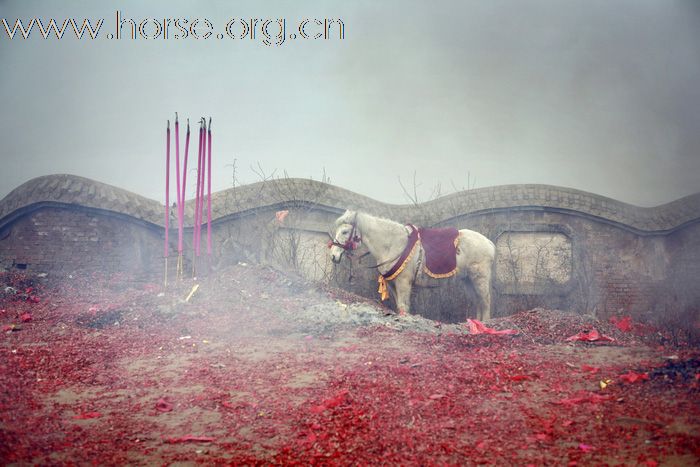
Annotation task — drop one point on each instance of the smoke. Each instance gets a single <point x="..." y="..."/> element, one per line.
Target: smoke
<point x="595" y="95"/>
<point x="574" y="94"/>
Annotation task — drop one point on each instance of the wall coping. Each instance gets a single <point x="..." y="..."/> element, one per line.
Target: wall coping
<point x="74" y="191"/>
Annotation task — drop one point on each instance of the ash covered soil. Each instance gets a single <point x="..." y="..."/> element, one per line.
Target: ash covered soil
<point x="262" y="368"/>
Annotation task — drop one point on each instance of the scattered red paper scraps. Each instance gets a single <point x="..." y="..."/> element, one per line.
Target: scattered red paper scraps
<point x="189" y="439"/>
<point x="151" y="287"/>
<point x="231" y="405"/>
<point x="632" y="377"/>
<point x="309" y="439"/>
<point x="585" y="447"/>
<point x="25" y="317"/>
<point x="11" y="328"/>
<point x="591" y="336"/>
<point x="522" y="377"/>
<point x="335" y="401"/>
<point x="116" y="370"/>
<point x="590" y="398"/>
<point x="623" y="323"/>
<point x="163" y="406"/>
<point x="86" y="416"/>
<point x="477" y="327"/>
<point x="591" y="369"/>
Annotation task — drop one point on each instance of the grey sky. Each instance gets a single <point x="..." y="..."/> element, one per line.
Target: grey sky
<point x="601" y="96"/>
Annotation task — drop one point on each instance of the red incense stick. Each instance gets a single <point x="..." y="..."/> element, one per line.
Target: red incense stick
<point x="196" y="196"/>
<point x="167" y="188"/>
<point x="203" y="180"/>
<point x="184" y="185"/>
<point x="209" y="192"/>
<point x="177" y="178"/>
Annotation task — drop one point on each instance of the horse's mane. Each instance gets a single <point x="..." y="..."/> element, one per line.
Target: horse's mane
<point x="347" y="218"/>
<point x="350" y="216"/>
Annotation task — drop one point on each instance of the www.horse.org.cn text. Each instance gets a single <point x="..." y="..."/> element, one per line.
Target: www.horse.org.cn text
<point x="267" y="31"/>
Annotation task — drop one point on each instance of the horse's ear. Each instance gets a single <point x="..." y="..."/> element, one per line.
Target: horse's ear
<point x="344" y="219"/>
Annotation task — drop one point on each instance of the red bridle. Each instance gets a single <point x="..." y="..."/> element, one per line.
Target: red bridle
<point x="351" y="243"/>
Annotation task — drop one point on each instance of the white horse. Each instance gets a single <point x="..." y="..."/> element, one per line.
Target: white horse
<point x="386" y="241"/>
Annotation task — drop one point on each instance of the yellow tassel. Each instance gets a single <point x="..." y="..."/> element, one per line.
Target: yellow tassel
<point x="383" y="291"/>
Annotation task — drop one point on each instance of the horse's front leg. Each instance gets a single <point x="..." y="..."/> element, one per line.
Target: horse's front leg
<point x="481" y="280"/>
<point x="403" y="294"/>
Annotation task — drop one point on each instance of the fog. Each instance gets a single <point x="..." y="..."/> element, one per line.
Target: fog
<point x="596" y="95"/>
<point x="119" y="347"/>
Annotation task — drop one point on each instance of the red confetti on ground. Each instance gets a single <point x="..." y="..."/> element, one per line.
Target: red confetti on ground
<point x="189" y="439"/>
<point x="623" y="324"/>
<point x="163" y="406"/>
<point x="477" y="327"/>
<point x="252" y="386"/>
<point x="87" y="416"/>
<point x="591" y="398"/>
<point x="632" y="377"/>
<point x="591" y="336"/>
<point x="335" y="401"/>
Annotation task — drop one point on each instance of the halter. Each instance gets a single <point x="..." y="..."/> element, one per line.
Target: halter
<point x="351" y="243"/>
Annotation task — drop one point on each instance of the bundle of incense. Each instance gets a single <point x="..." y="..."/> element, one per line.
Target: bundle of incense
<point x="203" y="177"/>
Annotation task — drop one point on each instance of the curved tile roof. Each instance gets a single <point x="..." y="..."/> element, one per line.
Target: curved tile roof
<point x="71" y="190"/>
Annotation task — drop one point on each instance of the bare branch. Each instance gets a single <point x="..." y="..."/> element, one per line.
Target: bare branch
<point x="412" y="198"/>
<point x="260" y="172"/>
<point x="415" y="187"/>
<point x="437" y="191"/>
<point x="234" y="178"/>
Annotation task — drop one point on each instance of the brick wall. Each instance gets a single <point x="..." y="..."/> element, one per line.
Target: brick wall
<point x="642" y="261"/>
<point x="63" y="240"/>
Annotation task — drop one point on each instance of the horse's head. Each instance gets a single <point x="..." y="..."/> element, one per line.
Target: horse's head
<point x="347" y="237"/>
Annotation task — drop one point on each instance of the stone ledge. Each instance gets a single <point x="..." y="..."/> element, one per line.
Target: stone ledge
<point x="71" y="190"/>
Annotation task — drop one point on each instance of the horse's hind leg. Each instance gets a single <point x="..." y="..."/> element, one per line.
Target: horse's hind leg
<point x="481" y="280"/>
<point x="402" y="288"/>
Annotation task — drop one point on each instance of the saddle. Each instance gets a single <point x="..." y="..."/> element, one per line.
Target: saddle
<point x="440" y="247"/>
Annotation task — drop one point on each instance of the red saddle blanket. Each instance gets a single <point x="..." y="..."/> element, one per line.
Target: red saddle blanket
<point x="440" y="247"/>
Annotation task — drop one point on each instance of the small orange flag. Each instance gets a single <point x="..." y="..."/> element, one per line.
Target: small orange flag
<point x="281" y="215"/>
